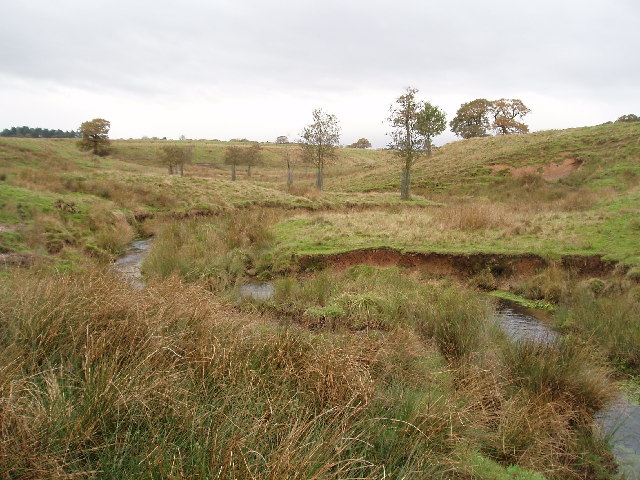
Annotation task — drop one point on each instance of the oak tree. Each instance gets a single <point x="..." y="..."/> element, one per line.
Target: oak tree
<point x="505" y="114"/>
<point x="630" y="117"/>
<point x="319" y="141"/>
<point x="480" y="117"/>
<point x="95" y="136"/>
<point x="361" y="143"/>
<point x="472" y="119"/>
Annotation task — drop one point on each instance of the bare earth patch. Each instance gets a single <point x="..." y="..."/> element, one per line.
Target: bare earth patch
<point x="548" y="171"/>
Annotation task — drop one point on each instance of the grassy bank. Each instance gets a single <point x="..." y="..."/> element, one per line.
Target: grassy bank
<point x="473" y="227"/>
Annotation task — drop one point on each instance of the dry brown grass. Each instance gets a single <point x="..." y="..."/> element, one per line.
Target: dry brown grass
<point x="307" y="191"/>
<point x="476" y="216"/>
<point x="97" y="377"/>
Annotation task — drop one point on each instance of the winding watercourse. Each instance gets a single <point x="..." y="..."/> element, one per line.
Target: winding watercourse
<point x="620" y="421"/>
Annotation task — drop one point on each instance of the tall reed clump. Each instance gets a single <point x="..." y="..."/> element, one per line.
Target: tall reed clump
<point x="551" y="394"/>
<point x="218" y="250"/>
<point x="611" y="322"/>
<point x="552" y="284"/>
<point x="100" y="380"/>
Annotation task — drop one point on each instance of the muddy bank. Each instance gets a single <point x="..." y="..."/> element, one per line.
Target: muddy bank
<point x="501" y="266"/>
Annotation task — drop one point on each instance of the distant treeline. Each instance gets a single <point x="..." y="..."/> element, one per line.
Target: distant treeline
<point x="38" y="133"/>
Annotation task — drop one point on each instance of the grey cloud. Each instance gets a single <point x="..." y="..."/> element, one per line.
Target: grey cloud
<point x="160" y="48"/>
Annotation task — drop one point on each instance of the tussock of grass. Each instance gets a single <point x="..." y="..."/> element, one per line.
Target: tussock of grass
<point x="563" y="372"/>
<point x="611" y="322"/>
<point x="218" y="251"/>
<point x="370" y="298"/>
<point x="550" y="285"/>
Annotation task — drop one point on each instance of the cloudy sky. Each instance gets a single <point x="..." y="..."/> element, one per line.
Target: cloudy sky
<point x="256" y="69"/>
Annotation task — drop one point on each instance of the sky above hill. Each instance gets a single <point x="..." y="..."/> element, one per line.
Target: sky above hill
<point x="256" y="69"/>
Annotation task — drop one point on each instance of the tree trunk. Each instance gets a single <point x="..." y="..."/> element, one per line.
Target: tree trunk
<point x="182" y="169"/>
<point x="249" y="171"/>
<point x="289" y="176"/>
<point x="320" y="179"/>
<point x="233" y="171"/>
<point x="405" y="184"/>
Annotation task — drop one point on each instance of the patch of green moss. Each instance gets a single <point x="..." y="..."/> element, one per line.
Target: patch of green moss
<point x="525" y="302"/>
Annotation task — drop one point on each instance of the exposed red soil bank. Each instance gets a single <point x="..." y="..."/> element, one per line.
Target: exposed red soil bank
<point x="548" y="171"/>
<point x="457" y="264"/>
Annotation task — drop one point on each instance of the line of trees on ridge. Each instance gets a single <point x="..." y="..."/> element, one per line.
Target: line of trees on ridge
<point x="29" y="132"/>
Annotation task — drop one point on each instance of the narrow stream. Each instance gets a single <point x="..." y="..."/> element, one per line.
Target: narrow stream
<point x="129" y="264"/>
<point x="620" y="421"/>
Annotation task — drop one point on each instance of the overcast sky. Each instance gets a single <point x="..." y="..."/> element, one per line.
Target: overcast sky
<point x="256" y="69"/>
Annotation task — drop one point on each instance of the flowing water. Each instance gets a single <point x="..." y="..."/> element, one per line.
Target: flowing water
<point x="130" y="263"/>
<point x="258" y="290"/>
<point x="519" y="324"/>
<point x="620" y="422"/>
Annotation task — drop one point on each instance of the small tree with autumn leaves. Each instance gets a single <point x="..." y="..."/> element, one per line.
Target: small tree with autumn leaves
<point x="95" y="136"/>
<point x="505" y="114"/>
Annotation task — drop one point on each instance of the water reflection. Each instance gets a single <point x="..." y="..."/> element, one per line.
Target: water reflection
<point x="130" y="263"/>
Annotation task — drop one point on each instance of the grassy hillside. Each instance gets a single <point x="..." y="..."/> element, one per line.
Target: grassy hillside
<point x="605" y="152"/>
<point x="52" y="184"/>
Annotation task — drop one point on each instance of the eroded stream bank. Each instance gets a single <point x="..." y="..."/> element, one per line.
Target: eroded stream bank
<point x="620" y="422"/>
<point x="458" y="264"/>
